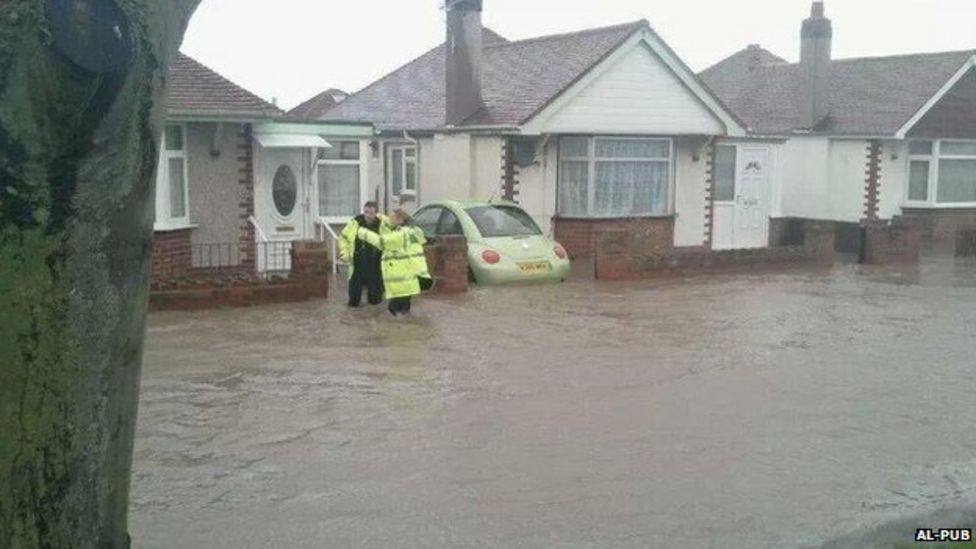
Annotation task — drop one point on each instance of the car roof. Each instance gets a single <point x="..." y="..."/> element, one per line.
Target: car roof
<point x="465" y="204"/>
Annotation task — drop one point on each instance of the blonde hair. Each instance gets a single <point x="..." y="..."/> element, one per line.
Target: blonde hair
<point x="403" y="215"/>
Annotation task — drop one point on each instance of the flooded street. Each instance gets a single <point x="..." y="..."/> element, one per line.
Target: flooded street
<point x="773" y="411"/>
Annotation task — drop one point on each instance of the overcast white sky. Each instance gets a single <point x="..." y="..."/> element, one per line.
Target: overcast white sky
<point x="293" y="49"/>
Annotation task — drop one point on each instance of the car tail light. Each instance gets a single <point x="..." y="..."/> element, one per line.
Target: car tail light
<point x="559" y="251"/>
<point x="491" y="257"/>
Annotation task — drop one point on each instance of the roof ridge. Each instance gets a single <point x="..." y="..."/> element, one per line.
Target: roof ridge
<point x="971" y="51"/>
<point x="582" y="32"/>
<point x="266" y="103"/>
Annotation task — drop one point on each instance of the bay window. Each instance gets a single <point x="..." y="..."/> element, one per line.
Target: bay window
<point x="172" y="186"/>
<point x="340" y="180"/>
<point x="606" y="177"/>
<point x="942" y="173"/>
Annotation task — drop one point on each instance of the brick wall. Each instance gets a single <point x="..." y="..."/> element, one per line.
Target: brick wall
<point x="888" y="243"/>
<point x="619" y="257"/>
<point x="941" y="226"/>
<point x="171" y="256"/>
<point x="579" y="236"/>
<point x="309" y="279"/>
<point x="447" y="259"/>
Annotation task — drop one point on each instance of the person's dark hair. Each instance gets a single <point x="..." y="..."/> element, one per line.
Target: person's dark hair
<point x="371" y="204"/>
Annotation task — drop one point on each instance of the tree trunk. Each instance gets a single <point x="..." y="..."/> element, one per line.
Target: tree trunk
<point x="81" y="87"/>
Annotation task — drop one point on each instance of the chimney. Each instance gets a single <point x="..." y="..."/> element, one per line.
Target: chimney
<point x="815" y="49"/>
<point x="463" y="60"/>
<point x="755" y="57"/>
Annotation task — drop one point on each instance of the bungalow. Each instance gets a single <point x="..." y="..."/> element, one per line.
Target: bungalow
<point x="587" y="130"/>
<point x="855" y="141"/>
<point x="238" y="181"/>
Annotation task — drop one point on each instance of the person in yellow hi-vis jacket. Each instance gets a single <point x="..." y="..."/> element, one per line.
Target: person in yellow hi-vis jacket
<point x="404" y="264"/>
<point x="363" y="260"/>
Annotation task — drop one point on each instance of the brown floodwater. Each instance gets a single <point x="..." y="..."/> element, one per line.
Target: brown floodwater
<point x="772" y="410"/>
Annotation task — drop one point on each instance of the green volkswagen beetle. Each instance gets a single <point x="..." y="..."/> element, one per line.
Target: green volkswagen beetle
<point x="504" y="243"/>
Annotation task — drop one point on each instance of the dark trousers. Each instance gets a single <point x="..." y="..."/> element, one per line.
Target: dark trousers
<point x="401" y="305"/>
<point x="372" y="284"/>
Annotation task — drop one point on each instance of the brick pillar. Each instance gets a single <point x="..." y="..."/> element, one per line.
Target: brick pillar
<point x="172" y="256"/>
<point x="509" y="172"/>
<point x="245" y="193"/>
<point x="709" y="195"/>
<point x="447" y="259"/>
<point x="872" y="185"/>
<point x="310" y="267"/>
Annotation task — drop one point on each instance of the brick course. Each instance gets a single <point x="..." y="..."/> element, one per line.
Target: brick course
<point x="172" y="254"/>
<point x="579" y="236"/>
<point x="941" y="226"/>
<point x="890" y="243"/>
<point x="621" y="257"/>
<point x="447" y="259"/>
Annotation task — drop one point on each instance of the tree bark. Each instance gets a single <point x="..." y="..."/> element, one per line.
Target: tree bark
<point x="78" y="148"/>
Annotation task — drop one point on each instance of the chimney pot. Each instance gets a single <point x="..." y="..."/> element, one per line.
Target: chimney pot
<point x="817" y="10"/>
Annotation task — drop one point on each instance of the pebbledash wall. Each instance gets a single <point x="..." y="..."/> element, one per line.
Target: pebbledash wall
<point x="220" y="177"/>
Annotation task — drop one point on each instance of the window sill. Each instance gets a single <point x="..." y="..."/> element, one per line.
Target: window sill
<point x="173" y="227"/>
<point x="926" y="206"/>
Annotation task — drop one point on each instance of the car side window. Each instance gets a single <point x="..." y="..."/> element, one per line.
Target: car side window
<point x="427" y="220"/>
<point x="450" y="225"/>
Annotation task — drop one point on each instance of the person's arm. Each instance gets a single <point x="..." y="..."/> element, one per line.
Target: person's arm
<point x="347" y="241"/>
<point x="371" y="238"/>
<point x="417" y="234"/>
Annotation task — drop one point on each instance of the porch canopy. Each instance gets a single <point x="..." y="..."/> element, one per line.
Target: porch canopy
<point x="291" y="141"/>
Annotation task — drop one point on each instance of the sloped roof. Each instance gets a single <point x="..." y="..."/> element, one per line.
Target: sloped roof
<point x="518" y="79"/>
<point x="194" y="89"/>
<point x="870" y="96"/>
<point x="316" y="107"/>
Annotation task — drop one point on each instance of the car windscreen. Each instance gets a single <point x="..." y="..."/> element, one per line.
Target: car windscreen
<point x="500" y="221"/>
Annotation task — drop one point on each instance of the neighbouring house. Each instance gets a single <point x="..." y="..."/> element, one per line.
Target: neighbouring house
<point x="316" y="107"/>
<point x="238" y="181"/>
<point x="854" y="141"/>
<point x="589" y="130"/>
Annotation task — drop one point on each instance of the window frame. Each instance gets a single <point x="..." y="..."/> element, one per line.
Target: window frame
<point x="163" y="210"/>
<point x="405" y="160"/>
<point x="591" y="159"/>
<point x="321" y="163"/>
<point x="934" y="159"/>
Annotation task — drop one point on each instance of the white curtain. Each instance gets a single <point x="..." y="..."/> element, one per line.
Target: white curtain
<point x="338" y="190"/>
<point x="573" y="176"/>
<point x="957" y="181"/>
<point x="630" y="188"/>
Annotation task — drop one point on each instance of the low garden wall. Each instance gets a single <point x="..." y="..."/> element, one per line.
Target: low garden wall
<point x="308" y="279"/>
<point x="892" y="243"/>
<point x="621" y="256"/>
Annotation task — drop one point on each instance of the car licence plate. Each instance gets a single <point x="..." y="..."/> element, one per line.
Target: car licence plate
<point x="536" y="267"/>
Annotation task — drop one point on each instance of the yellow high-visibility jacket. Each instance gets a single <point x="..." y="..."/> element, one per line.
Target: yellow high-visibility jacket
<point x="347" y="241"/>
<point x="403" y="258"/>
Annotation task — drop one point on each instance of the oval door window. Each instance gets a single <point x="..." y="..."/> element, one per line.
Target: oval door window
<point x="284" y="189"/>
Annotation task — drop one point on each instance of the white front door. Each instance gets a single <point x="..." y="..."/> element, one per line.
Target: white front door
<point x="282" y="205"/>
<point x="741" y="197"/>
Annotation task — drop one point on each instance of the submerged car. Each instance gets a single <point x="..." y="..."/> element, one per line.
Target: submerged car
<point x="504" y="244"/>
